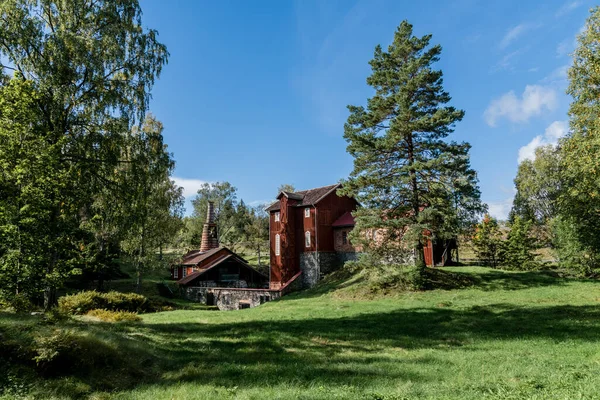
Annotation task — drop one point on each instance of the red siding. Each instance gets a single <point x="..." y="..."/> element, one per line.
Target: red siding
<point x="328" y="211"/>
<point x="292" y="229"/>
<point x="428" y="253"/>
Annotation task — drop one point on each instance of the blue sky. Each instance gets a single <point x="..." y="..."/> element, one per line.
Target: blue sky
<point x="255" y="93"/>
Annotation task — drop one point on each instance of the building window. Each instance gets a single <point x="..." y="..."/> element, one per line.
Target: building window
<point x="184" y="272"/>
<point x="277" y="216"/>
<point x="277" y="245"/>
<point x="307" y="212"/>
<point x="176" y="273"/>
<point x="307" y="239"/>
<point x="344" y="237"/>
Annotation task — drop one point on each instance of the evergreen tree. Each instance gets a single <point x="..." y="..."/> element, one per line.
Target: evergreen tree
<point x="409" y="179"/>
<point x="517" y="251"/>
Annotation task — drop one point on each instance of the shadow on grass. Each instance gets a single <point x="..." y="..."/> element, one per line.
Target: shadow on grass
<point x="342" y="350"/>
<point x="332" y="352"/>
<point x="491" y="280"/>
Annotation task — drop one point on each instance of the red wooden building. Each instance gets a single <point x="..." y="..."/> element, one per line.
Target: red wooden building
<point x="302" y="234"/>
<point x="213" y="265"/>
<point x="309" y="232"/>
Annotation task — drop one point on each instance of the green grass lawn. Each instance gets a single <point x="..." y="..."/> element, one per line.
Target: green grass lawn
<point x="510" y="336"/>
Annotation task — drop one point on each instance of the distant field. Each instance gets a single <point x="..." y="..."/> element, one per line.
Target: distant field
<point x="522" y="335"/>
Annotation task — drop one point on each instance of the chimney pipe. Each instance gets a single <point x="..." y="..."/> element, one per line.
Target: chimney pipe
<point x="210" y="239"/>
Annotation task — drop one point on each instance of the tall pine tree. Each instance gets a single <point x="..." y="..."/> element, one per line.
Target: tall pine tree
<point x="410" y="181"/>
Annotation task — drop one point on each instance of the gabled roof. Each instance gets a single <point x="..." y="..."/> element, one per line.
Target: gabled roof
<point x="196" y="256"/>
<point x="345" y="220"/>
<point x="306" y="197"/>
<point x="215" y="263"/>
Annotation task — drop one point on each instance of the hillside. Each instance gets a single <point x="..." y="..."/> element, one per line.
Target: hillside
<point x="508" y="336"/>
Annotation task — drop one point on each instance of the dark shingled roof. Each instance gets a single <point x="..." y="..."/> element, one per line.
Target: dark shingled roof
<point x="306" y="197"/>
<point x="196" y="256"/>
<point x="229" y="255"/>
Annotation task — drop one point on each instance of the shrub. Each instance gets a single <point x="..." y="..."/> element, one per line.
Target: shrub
<point x="17" y="303"/>
<point x="53" y="352"/>
<point x="488" y="241"/>
<point x="63" y="352"/>
<point x="518" y="250"/>
<point x="83" y="302"/>
<point x="114" y="316"/>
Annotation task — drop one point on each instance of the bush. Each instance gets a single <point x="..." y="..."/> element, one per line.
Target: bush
<point x="517" y="252"/>
<point x="83" y="302"/>
<point x="17" y="303"/>
<point x="114" y="316"/>
<point x="62" y="352"/>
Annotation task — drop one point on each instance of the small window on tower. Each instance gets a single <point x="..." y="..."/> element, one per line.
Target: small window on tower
<point x="277" y="245"/>
<point x="277" y="216"/>
<point x="307" y="239"/>
<point x="307" y="212"/>
<point x="344" y="237"/>
<point x="176" y="273"/>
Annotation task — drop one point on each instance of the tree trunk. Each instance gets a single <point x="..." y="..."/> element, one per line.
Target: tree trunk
<point x="419" y="251"/>
<point x="258" y="254"/>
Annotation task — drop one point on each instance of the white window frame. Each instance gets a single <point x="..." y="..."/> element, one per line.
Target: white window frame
<point x="277" y="245"/>
<point x="307" y="238"/>
<point x="176" y="273"/>
<point x="277" y="216"/>
<point x="183" y="272"/>
<point x="307" y="212"/>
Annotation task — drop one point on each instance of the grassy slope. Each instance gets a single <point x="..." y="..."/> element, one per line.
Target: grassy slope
<point x="512" y="336"/>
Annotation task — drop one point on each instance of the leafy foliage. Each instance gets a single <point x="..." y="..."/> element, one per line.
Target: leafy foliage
<point x="580" y="155"/>
<point x="114" y="316"/>
<point x="488" y="241"/>
<point x="80" y="178"/>
<point x="517" y="251"/>
<point x="83" y="302"/>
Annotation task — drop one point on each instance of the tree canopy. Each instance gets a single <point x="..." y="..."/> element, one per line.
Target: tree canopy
<point x="410" y="180"/>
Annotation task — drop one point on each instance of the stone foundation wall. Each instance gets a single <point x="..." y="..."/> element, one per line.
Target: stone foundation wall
<point x="314" y="265"/>
<point x="328" y="262"/>
<point x="309" y="265"/>
<point x="231" y="298"/>
<point x="347" y="256"/>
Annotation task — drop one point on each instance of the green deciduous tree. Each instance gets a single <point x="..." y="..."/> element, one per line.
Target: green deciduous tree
<point x="579" y="202"/>
<point x="90" y="66"/>
<point x="487" y="241"/>
<point x="409" y="179"/>
<point x="286" y="187"/>
<point x="154" y="204"/>
<point x="538" y="185"/>
<point x="224" y="197"/>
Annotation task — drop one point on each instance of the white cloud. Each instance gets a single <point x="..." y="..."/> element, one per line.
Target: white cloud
<point x="190" y="186"/>
<point x="568" y="7"/>
<point x="500" y="209"/>
<point x="534" y="100"/>
<point x="558" y="76"/>
<point x="553" y="132"/>
<point x="564" y="47"/>
<point x="515" y="32"/>
<point x="506" y="62"/>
